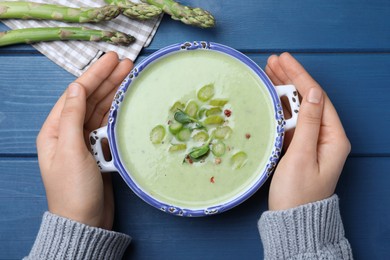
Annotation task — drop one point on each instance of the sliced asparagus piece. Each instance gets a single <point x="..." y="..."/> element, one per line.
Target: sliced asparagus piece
<point x="218" y="149"/>
<point x="188" y="15"/>
<point x="213" y="111"/>
<point x="201" y="136"/>
<point x="30" y="10"/>
<point x="183" y="135"/>
<point x="222" y="132"/>
<point x="201" y="112"/>
<point x="177" y="147"/>
<point x="157" y="134"/>
<point x="177" y="106"/>
<point x="175" y="127"/>
<point x="139" y="11"/>
<point x="213" y="120"/>
<point x="218" y="102"/>
<point x="191" y="108"/>
<point x="238" y="160"/>
<point x="32" y="35"/>
<point x="206" y="92"/>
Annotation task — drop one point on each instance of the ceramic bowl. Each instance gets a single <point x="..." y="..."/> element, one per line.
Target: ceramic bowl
<point x="117" y="163"/>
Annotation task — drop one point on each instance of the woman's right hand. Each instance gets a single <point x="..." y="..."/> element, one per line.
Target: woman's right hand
<point x="75" y="188"/>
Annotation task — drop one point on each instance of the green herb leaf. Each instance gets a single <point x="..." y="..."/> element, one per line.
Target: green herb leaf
<point x="198" y="152"/>
<point x="182" y="117"/>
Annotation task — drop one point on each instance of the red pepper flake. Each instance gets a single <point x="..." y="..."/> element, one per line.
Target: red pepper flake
<point x="227" y="112"/>
<point x="189" y="160"/>
<point x="212" y="180"/>
<point x="218" y="161"/>
<point x="169" y="122"/>
<point x="247" y="135"/>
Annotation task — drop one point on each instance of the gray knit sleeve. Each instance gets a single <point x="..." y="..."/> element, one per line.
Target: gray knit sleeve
<point x="310" y="231"/>
<point x="61" y="238"/>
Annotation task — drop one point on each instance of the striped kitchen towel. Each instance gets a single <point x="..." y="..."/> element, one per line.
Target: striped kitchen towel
<point x="77" y="56"/>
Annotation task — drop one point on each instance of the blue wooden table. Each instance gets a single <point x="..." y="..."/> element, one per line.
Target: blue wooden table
<point x="345" y="45"/>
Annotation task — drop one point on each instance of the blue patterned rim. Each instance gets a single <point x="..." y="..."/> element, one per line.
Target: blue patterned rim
<point x="274" y="156"/>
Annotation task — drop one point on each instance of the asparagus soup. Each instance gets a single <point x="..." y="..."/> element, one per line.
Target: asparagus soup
<point x="196" y="129"/>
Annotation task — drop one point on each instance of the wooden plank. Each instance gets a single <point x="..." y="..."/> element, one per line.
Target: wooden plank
<point x="364" y="203"/>
<point x="18" y="132"/>
<point x="289" y="25"/>
<point x="22" y="203"/>
<point x="27" y="94"/>
<point x="300" y="25"/>
<point x="363" y="191"/>
<point x="30" y="83"/>
<point x="357" y="84"/>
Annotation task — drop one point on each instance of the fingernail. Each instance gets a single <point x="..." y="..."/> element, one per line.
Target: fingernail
<point x="73" y="90"/>
<point x="314" y="96"/>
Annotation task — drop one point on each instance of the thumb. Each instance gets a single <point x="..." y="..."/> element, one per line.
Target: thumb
<point x="71" y="130"/>
<point x="309" y="122"/>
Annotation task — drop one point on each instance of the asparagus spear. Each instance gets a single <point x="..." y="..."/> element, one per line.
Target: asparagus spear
<point x="136" y="11"/>
<point x="30" y="10"/>
<point x="188" y="15"/>
<point x="31" y="35"/>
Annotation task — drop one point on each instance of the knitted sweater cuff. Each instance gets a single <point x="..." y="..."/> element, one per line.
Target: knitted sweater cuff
<point x="309" y="231"/>
<point x="62" y="238"/>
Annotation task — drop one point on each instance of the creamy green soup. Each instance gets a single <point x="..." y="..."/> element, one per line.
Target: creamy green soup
<point x="178" y="76"/>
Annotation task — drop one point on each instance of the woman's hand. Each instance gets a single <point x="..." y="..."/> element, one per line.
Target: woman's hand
<point x="312" y="164"/>
<point x="75" y="188"/>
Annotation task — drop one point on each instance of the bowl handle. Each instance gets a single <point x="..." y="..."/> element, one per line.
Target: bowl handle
<point x="95" y="139"/>
<point x="291" y="93"/>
